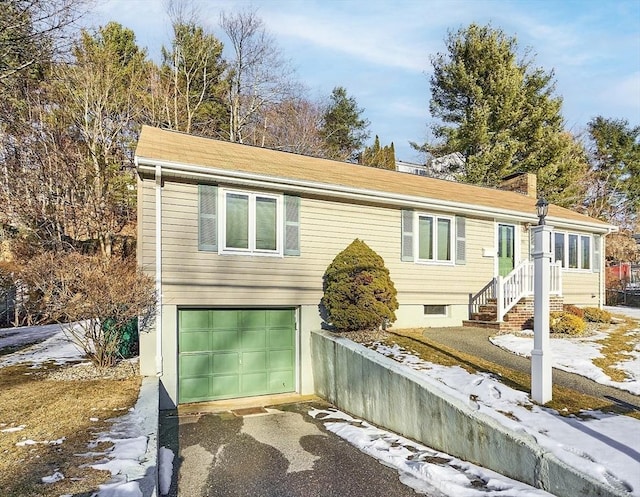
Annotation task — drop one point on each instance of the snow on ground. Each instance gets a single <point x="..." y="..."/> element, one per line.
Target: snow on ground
<point x="421" y="468"/>
<point x="54" y="345"/>
<point x="575" y="354"/>
<point x="603" y="445"/>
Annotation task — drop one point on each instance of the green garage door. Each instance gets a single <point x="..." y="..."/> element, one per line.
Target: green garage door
<point x="227" y="353"/>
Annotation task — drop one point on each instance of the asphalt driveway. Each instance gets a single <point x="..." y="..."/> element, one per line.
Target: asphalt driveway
<point x="273" y="452"/>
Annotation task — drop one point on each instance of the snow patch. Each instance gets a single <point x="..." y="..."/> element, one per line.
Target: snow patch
<point x="55" y="477"/>
<point x="165" y="469"/>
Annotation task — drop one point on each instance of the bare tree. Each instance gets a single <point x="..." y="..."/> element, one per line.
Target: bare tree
<point x="292" y="125"/>
<point x="35" y="31"/>
<point x="258" y="75"/>
<point x="190" y="90"/>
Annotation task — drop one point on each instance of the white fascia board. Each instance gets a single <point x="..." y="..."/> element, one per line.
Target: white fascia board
<point x="242" y="178"/>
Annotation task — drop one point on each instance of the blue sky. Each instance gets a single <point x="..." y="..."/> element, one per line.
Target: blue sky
<point x="380" y="50"/>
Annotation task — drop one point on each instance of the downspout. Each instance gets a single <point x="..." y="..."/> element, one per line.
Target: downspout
<point x="159" y="270"/>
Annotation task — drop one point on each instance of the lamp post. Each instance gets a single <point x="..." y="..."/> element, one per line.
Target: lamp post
<point x="541" y="355"/>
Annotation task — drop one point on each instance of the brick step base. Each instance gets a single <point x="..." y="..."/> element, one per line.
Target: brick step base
<point x="474" y="323"/>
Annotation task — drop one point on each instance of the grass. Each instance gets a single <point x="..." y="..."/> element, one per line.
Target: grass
<point x="617" y="347"/>
<point x="566" y="401"/>
<point x="51" y="410"/>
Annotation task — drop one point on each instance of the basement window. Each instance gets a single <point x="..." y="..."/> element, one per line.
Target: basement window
<point x="435" y="310"/>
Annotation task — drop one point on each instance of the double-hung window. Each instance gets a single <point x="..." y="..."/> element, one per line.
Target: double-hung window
<point x="252" y="222"/>
<point x="434" y="238"/>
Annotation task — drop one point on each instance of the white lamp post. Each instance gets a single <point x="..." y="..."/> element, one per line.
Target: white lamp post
<point x="541" y="355"/>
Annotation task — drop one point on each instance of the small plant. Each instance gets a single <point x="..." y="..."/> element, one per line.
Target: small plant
<point x="358" y="291"/>
<point x="596" y="315"/>
<point x="566" y="323"/>
<point x="575" y="310"/>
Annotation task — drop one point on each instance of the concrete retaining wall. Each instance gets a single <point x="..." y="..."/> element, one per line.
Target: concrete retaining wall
<point x="380" y="390"/>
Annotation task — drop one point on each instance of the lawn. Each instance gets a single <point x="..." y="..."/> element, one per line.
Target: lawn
<point x="62" y="417"/>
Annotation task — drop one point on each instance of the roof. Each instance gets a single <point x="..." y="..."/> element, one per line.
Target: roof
<point x="178" y="149"/>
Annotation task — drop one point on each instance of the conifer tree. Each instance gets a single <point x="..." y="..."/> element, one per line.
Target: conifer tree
<point x="343" y="129"/>
<point x="499" y="112"/>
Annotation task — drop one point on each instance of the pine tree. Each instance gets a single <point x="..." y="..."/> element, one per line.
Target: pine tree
<point x="499" y="112"/>
<point x="343" y="129"/>
<point x="614" y="193"/>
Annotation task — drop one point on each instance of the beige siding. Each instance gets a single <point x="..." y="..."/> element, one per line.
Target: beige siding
<point x="191" y="277"/>
<point x="146" y="225"/>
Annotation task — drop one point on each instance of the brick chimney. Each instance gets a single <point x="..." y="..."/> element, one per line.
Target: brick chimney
<point x="524" y="183"/>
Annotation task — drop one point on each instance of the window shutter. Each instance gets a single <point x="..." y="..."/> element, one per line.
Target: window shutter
<point x="597" y="253"/>
<point x="461" y="240"/>
<point x="207" y="218"/>
<point x="407" y="236"/>
<point x="291" y="225"/>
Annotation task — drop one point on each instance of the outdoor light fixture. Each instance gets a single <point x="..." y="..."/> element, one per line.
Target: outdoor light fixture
<point x="542" y="207"/>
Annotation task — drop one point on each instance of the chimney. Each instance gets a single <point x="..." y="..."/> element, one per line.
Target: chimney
<point x="524" y="183"/>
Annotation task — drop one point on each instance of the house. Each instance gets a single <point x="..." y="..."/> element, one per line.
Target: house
<point x="238" y="239"/>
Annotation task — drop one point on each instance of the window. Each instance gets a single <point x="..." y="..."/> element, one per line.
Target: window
<point x="244" y="222"/>
<point x="572" y="251"/>
<point x="435" y="310"/>
<point x="430" y="238"/>
<point x="559" y="249"/>
<point x="434" y="238"/>
<point x="251" y="222"/>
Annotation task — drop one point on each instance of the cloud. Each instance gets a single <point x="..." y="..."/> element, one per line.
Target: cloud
<point x="355" y="39"/>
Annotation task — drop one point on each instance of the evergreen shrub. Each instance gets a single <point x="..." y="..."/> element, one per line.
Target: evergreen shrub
<point x="358" y="291"/>
<point x="596" y="315"/>
<point x="566" y="323"/>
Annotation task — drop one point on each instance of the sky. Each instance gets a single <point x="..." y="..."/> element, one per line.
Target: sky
<point x="602" y="445"/>
<point x="380" y="50"/>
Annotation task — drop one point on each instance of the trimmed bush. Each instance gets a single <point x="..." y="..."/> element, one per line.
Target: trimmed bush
<point x="596" y="315"/>
<point x="358" y="291"/>
<point x="566" y="323"/>
<point x="572" y="309"/>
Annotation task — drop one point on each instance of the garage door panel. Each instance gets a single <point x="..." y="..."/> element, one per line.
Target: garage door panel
<point x="225" y="340"/>
<point x="254" y="339"/>
<point x="224" y="319"/>
<point x="255" y="383"/>
<point x="254" y="319"/>
<point x="280" y="338"/>
<point x="195" y="319"/>
<point x="226" y="363"/>
<point x="195" y="388"/>
<point x="195" y="341"/>
<point x="280" y="318"/>
<point x="195" y="364"/>
<point x="254" y="361"/>
<point x="281" y="381"/>
<point x="280" y="359"/>
<point x="225" y="387"/>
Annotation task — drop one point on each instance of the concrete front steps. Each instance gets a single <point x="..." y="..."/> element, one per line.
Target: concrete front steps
<point x="519" y="317"/>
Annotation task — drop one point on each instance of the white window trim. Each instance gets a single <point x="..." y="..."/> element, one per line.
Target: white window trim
<point x="222" y="224"/>
<point x="416" y="239"/>
<point x="580" y="236"/>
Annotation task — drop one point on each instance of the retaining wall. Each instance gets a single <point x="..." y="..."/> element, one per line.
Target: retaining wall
<point x="380" y="390"/>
